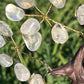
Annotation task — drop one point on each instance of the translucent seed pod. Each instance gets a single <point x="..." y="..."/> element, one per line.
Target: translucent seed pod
<point x="21" y="72"/>
<point x="5" y="30"/>
<point x="14" y="13"/>
<point x="58" y="3"/>
<point x="30" y="26"/>
<point x="59" y="34"/>
<point x="5" y="60"/>
<point x="2" y="41"/>
<point x="80" y="14"/>
<point x="36" y="79"/>
<point x="25" y="4"/>
<point x="33" y="42"/>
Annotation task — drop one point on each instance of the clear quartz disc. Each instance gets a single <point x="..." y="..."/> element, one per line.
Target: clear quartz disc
<point x="32" y="42"/>
<point x="5" y="29"/>
<point x="36" y="79"/>
<point x="14" y="13"/>
<point x="21" y="72"/>
<point x="59" y="34"/>
<point x="30" y="26"/>
<point x="2" y="41"/>
<point x="80" y="14"/>
<point x="25" y="4"/>
<point x="58" y="3"/>
<point x="5" y="60"/>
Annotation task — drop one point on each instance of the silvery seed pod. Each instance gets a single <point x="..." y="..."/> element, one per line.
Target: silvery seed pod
<point x="59" y="34"/>
<point x="5" y="60"/>
<point x="5" y="30"/>
<point x="36" y="79"/>
<point x="30" y="26"/>
<point x="21" y="72"/>
<point x="2" y="41"/>
<point x="25" y="4"/>
<point x="14" y="13"/>
<point x="58" y="3"/>
<point x="32" y="42"/>
<point x="80" y="14"/>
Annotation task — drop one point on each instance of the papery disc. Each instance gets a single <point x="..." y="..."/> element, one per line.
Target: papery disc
<point x="21" y="72"/>
<point x="5" y="60"/>
<point x="25" y="4"/>
<point x="33" y="42"/>
<point x="59" y="34"/>
<point x="30" y="26"/>
<point x="14" y="13"/>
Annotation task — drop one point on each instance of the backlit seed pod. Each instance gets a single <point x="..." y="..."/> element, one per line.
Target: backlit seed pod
<point x="80" y="14"/>
<point x="32" y="42"/>
<point x="36" y="79"/>
<point x="14" y="13"/>
<point x="2" y="41"/>
<point x="5" y="30"/>
<point x="21" y="72"/>
<point x="30" y="26"/>
<point x="5" y="60"/>
<point x="59" y="34"/>
<point x="25" y="4"/>
<point x="58" y="3"/>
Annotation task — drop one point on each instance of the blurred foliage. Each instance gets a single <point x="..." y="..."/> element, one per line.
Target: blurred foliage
<point x="53" y="54"/>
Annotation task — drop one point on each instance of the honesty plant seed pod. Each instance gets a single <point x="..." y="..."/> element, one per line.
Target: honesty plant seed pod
<point x="58" y="3"/>
<point x="14" y="13"/>
<point x="25" y="4"/>
<point x="36" y="79"/>
<point x="21" y="72"/>
<point x="30" y="26"/>
<point x="32" y="42"/>
<point x="80" y="14"/>
<point x="2" y="41"/>
<point x="5" y="30"/>
<point x="59" y="34"/>
<point x="5" y="60"/>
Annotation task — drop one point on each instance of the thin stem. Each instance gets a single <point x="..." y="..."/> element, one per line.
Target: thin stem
<point x="49" y="9"/>
<point x="18" y="52"/>
<point x="37" y="60"/>
<point x="33" y="15"/>
<point x="39" y="10"/>
<point x="48" y="22"/>
<point x="42" y="21"/>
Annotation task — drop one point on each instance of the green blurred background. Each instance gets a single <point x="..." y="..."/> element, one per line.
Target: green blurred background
<point x="53" y="54"/>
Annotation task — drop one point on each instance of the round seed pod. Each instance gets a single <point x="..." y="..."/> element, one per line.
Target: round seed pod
<point x="30" y="26"/>
<point x="32" y="42"/>
<point x="21" y="72"/>
<point x="25" y="4"/>
<point x="59" y="34"/>
<point x="36" y="79"/>
<point x="14" y="13"/>
<point x="5" y="60"/>
<point x="58" y="3"/>
<point x="80" y="14"/>
<point x="5" y="30"/>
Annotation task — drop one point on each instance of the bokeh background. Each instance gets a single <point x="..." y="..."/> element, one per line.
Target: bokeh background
<point x="53" y="54"/>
